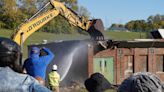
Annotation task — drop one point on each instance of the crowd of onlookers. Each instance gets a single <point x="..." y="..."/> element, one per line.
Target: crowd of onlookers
<point x="31" y="76"/>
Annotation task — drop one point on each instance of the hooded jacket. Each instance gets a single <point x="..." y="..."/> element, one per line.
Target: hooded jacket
<point x="36" y="65"/>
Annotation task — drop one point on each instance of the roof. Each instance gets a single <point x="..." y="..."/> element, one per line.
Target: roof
<point x="142" y="43"/>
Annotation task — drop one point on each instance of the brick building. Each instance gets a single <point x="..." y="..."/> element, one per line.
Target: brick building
<point x="116" y="63"/>
<point x="127" y="58"/>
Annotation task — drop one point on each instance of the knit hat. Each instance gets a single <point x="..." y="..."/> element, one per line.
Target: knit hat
<point x="141" y="82"/>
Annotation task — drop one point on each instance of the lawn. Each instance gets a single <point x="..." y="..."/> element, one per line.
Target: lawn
<point x="37" y="37"/>
<point x="124" y="35"/>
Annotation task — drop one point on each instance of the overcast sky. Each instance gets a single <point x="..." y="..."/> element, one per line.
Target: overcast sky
<point x="121" y="11"/>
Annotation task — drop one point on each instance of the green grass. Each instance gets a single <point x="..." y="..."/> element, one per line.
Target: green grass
<point x="5" y="33"/>
<point x="124" y="35"/>
<point x="37" y="37"/>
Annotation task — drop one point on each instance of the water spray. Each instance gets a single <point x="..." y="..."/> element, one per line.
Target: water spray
<point x="68" y="58"/>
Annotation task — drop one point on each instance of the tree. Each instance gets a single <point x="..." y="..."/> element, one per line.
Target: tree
<point x="82" y="11"/>
<point x="121" y="26"/>
<point x="59" y="24"/>
<point x="157" y="18"/>
<point x="155" y="26"/>
<point x="137" y="25"/>
<point x="130" y="25"/>
<point x="71" y="4"/>
<point x="28" y="7"/>
<point x="161" y="24"/>
<point x="14" y="12"/>
<point x="150" y="19"/>
<point x="10" y="13"/>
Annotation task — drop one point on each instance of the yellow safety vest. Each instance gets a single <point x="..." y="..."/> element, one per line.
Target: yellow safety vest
<point x="54" y="78"/>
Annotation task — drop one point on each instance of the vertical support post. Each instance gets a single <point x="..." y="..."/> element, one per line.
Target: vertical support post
<point x="21" y="55"/>
<point x="151" y="60"/>
<point x="90" y="58"/>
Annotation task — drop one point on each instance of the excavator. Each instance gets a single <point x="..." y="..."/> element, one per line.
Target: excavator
<point x="94" y="27"/>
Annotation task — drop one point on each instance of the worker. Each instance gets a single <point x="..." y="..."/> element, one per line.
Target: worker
<point x="11" y="79"/>
<point x="141" y="82"/>
<point x="54" y="79"/>
<point x="36" y="65"/>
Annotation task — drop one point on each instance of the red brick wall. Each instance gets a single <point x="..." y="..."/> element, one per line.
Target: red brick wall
<point x="144" y="59"/>
<point x="90" y="60"/>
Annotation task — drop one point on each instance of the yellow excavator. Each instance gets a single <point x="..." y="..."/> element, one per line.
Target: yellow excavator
<point x="93" y="27"/>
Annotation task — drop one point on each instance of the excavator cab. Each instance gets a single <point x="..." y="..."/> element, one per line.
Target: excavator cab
<point x="95" y="30"/>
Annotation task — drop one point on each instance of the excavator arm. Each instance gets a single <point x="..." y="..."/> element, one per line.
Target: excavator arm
<point x="93" y="27"/>
<point x="32" y="25"/>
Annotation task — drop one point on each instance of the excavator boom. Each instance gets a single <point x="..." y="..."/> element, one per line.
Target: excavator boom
<point x="33" y="24"/>
<point x="93" y="27"/>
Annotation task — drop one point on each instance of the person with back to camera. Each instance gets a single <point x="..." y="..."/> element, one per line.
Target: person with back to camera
<point x="36" y="65"/>
<point x="54" y="79"/>
<point x="11" y="79"/>
<point x="141" y="82"/>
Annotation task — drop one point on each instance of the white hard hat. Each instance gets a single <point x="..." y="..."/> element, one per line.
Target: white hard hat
<point x="54" y="67"/>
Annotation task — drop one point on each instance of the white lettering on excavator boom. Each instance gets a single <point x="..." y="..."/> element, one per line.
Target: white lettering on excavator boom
<point x="39" y="22"/>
